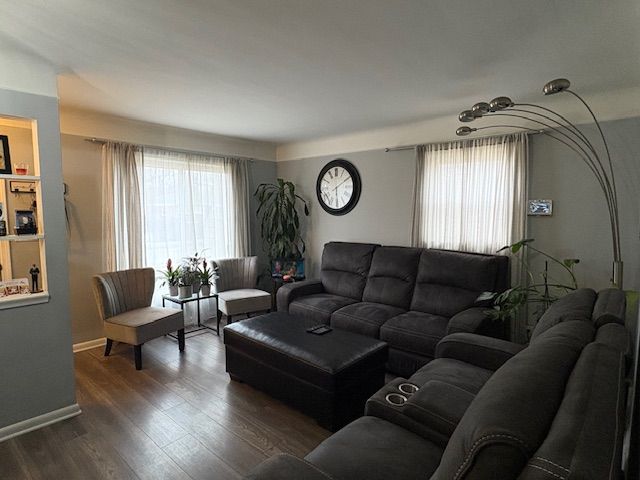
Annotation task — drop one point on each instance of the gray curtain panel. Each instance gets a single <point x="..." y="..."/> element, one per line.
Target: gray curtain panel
<point x="122" y="220"/>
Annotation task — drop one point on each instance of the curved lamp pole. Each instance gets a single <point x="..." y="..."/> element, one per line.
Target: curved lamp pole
<point x="554" y="125"/>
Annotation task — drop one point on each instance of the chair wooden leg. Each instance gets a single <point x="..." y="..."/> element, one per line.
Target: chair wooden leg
<point x="181" y="339"/>
<point x="137" y="351"/>
<point x="107" y="347"/>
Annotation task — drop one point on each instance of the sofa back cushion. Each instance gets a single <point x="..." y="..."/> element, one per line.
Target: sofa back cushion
<point x="511" y="415"/>
<point x="577" y="305"/>
<point x="392" y="276"/>
<point x="448" y="282"/>
<point x="345" y="267"/>
<point x="586" y="436"/>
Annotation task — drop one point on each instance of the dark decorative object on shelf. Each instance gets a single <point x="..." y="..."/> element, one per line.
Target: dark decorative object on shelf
<point x="34" y="271"/>
<point x="25" y="223"/>
<point x="5" y="157"/>
<point x="554" y="125"/>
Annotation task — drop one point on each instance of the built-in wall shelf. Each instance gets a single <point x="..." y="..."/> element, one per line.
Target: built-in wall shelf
<point x="26" y="178"/>
<point x="21" y="238"/>
<point x="22" y="254"/>
<point x="22" y="300"/>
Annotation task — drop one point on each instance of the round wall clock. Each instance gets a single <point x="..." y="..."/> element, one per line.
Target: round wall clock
<point x="338" y="187"/>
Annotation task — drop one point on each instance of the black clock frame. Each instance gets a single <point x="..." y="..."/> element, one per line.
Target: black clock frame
<point x="357" y="186"/>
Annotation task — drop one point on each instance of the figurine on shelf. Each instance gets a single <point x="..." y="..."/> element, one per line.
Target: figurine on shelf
<point x="34" y="271"/>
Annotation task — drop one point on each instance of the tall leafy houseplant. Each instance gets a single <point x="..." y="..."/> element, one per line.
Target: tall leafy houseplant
<point x="279" y="220"/>
<point x="540" y="290"/>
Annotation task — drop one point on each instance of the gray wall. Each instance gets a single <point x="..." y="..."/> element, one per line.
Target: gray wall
<point x="579" y="226"/>
<point x="36" y="363"/>
<point x="383" y="214"/>
<point x="578" y="229"/>
<point x="81" y="162"/>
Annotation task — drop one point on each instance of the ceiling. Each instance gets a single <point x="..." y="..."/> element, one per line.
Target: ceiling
<point x="292" y="70"/>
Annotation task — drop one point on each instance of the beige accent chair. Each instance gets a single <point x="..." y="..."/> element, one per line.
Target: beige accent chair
<point x="124" y="303"/>
<point x="236" y="288"/>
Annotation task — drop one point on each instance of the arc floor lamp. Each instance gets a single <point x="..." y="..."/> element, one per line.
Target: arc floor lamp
<point x="552" y="124"/>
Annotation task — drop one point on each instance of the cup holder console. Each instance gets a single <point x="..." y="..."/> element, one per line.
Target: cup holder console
<point x="408" y="388"/>
<point x="396" y="399"/>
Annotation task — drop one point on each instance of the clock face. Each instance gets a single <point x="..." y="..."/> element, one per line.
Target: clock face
<point x="338" y="187"/>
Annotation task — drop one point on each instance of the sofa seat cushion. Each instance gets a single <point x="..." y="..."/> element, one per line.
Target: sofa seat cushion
<point x="319" y="307"/>
<point x="375" y="449"/>
<point x="414" y="332"/>
<point x="243" y="300"/>
<point x="365" y="318"/>
<point x="142" y="324"/>
<point x="454" y="372"/>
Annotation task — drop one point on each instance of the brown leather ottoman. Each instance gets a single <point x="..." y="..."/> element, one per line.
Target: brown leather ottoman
<point x="328" y="377"/>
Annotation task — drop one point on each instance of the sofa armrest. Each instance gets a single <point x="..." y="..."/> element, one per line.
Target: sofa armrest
<point x="286" y="467"/>
<point x="610" y="307"/>
<point x="478" y="350"/>
<point x="469" y="320"/>
<point x="290" y="291"/>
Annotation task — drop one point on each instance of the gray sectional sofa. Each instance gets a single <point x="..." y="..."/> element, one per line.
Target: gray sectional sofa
<point x="489" y="409"/>
<point x="409" y="297"/>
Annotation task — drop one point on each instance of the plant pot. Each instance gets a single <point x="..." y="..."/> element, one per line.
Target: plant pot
<point x="185" y="291"/>
<point x="173" y="290"/>
<point x="205" y="290"/>
<point x="196" y="286"/>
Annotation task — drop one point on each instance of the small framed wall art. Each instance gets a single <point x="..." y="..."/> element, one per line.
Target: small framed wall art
<point x="5" y="158"/>
<point x="540" y="207"/>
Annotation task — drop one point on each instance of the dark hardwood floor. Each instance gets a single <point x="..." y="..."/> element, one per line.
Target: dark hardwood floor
<point x="179" y="418"/>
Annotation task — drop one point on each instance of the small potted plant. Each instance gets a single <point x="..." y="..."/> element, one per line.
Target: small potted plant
<point x="171" y="278"/>
<point x="192" y="265"/>
<point x="206" y="275"/>
<point x="186" y="283"/>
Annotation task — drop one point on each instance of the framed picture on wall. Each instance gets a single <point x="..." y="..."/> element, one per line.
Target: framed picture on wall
<point x="5" y="158"/>
<point x="540" y="207"/>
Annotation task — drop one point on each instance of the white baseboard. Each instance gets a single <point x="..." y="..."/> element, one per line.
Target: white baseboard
<point x="98" y="342"/>
<point x="39" y="421"/>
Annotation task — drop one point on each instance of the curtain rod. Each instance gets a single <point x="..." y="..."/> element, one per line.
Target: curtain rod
<point x="411" y="147"/>
<point x="102" y="141"/>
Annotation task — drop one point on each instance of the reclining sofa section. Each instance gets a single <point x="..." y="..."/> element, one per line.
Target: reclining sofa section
<point x="408" y="297"/>
<point x="487" y="409"/>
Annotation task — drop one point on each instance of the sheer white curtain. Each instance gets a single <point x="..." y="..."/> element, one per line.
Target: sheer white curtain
<point x="194" y="203"/>
<point x="471" y="195"/>
<point x="122" y="229"/>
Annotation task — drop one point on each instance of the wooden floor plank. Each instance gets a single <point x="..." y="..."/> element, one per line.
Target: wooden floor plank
<point x="181" y="417"/>
<point x="236" y="452"/>
<point x="199" y="462"/>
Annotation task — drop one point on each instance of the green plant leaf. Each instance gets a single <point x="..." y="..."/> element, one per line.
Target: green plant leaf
<point x="484" y="296"/>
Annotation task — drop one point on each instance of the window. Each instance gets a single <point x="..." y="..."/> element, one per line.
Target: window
<point x="189" y="206"/>
<point x="470" y="196"/>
